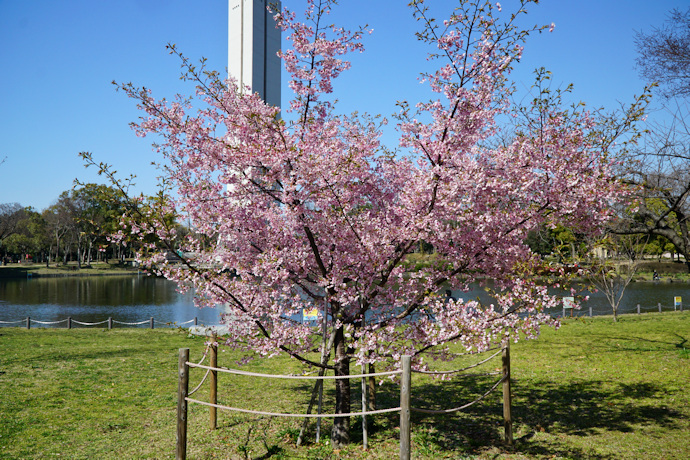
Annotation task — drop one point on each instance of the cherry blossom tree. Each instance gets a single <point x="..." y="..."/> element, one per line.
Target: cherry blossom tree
<point x="307" y="209"/>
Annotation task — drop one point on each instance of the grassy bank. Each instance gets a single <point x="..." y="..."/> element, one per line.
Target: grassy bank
<point x="592" y="390"/>
<point x="24" y="270"/>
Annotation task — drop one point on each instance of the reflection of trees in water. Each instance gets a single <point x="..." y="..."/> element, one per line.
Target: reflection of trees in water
<point x="91" y="290"/>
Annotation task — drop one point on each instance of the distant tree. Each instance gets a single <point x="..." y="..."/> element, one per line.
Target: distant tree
<point x="664" y="54"/>
<point x="60" y="224"/>
<point x="10" y="216"/>
<point x="613" y="275"/>
<point x="97" y="209"/>
<point x="660" y="171"/>
<point x="660" y="163"/>
<point x="30" y="238"/>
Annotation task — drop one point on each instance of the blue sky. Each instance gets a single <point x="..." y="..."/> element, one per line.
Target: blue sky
<point x="58" y="59"/>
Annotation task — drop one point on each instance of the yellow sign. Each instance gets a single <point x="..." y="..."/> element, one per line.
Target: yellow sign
<point x="310" y="315"/>
<point x="677" y="301"/>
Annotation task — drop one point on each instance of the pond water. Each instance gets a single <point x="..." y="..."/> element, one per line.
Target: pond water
<point x="648" y="294"/>
<point x="91" y="299"/>
<point x="130" y="299"/>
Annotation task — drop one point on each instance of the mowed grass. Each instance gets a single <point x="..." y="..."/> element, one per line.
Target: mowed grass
<point x="592" y="390"/>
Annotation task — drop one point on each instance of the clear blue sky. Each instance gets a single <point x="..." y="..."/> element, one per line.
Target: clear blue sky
<point x="58" y="59"/>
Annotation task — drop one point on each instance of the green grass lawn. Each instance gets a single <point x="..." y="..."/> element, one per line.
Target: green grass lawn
<point x="591" y="390"/>
<point x="23" y="270"/>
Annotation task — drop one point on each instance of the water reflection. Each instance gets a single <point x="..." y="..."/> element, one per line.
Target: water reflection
<point x="137" y="298"/>
<point x="95" y="298"/>
<point x="648" y="294"/>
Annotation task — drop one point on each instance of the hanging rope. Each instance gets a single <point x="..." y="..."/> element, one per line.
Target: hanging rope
<point x="280" y="414"/>
<point x="203" y="357"/>
<point x="456" y="409"/>
<point x="298" y="377"/>
<point x="459" y="370"/>
<point x="48" y="322"/>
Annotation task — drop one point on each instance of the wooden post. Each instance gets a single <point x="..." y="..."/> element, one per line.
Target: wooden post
<point x="182" y="390"/>
<point x="69" y="322"/>
<point x="152" y="322"/>
<point x="405" y="383"/>
<point x="659" y="305"/>
<point x="213" y="396"/>
<point x="28" y="322"/>
<point x="638" y="308"/>
<point x="507" y="418"/>
<point x="195" y="321"/>
<point x="365" y="431"/>
<point x="110" y="322"/>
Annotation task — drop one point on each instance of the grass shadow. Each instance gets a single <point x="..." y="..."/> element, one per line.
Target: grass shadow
<point x="573" y="409"/>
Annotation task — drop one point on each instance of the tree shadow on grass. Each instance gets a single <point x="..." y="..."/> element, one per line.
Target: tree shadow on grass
<point x="571" y="409"/>
<point x="566" y="409"/>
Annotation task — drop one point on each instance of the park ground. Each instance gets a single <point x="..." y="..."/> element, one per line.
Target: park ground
<point x="593" y="389"/>
<point x="24" y="270"/>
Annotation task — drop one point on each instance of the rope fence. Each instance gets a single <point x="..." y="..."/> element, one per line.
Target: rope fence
<point x="28" y="321"/>
<point x="404" y="408"/>
<point x="592" y="311"/>
<point x="566" y="312"/>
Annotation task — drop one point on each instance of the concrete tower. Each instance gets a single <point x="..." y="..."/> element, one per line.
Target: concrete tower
<point x="253" y="44"/>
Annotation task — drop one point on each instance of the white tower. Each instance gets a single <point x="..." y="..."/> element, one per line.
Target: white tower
<point x="253" y="44"/>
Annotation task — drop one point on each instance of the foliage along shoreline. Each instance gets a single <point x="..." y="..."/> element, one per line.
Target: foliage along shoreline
<point x="41" y="271"/>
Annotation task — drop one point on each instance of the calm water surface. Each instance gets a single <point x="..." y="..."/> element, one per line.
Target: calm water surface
<point x="138" y="298"/>
<point x="95" y="298"/>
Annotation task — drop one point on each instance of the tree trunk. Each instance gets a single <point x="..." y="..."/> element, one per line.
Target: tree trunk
<point x="340" y="435"/>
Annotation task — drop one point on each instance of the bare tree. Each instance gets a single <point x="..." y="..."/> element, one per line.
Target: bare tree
<point x="613" y="275"/>
<point x="664" y="54"/>
<point x="661" y="204"/>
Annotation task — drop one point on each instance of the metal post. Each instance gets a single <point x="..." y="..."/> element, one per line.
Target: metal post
<point x="213" y="396"/>
<point x="659" y="305"/>
<point x="405" y="383"/>
<point x="182" y="390"/>
<point x="590" y="311"/>
<point x="507" y="418"/>
<point x="563" y="312"/>
<point x="365" y="431"/>
<point x="638" y="308"/>
<point x="152" y="322"/>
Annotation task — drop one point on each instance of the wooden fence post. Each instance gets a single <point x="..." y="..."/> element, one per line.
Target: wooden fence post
<point x="213" y="396"/>
<point x="405" y="383"/>
<point x="110" y="322"/>
<point x="507" y="418"/>
<point x="28" y="322"/>
<point x="69" y="322"/>
<point x="152" y="322"/>
<point x="182" y="390"/>
<point x="590" y="311"/>
<point x="638" y="308"/>
<point x="659" y="305"/>
<point x="195" y="321"/>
